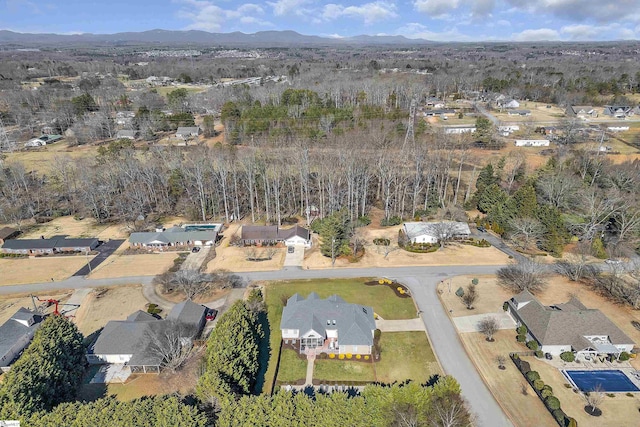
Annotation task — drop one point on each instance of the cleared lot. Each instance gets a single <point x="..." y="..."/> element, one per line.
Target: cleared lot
<point x="134" y="265"/>
<point x="15" y="271"/>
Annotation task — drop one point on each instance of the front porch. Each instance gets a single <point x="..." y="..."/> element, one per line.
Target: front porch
<point x="313" y="345"/>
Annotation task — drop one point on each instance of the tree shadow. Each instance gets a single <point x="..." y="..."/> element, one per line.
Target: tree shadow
<point x="264" y="352"/>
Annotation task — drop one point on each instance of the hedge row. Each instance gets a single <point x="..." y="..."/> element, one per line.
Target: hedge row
<point x="544" y="392"/>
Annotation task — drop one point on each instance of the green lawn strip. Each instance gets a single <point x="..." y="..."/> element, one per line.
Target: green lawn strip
<point x="330" y="370"/>
<point x="406" y="355"/>
<point x="292" y="367"/>
<point x="381" y="298"/>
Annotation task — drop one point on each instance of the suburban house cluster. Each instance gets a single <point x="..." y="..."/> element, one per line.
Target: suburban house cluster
<point x="272" y="235"/>
<point x="327" y="325"/>
<point x="434" y="232"/>
<point x="16" y="334"/>
<point x="568" y="326"/>
<point x="53" y="245"/>
<point x="590" y="112"/>
<point x="134" y="342"/>
<point x="180" y="237"/>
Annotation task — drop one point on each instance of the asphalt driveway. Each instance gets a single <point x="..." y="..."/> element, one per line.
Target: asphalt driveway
<point x="105" y="249"/>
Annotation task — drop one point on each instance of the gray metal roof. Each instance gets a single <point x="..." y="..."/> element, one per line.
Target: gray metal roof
<point x="126" y="133"/>
<point x="6" y="232"/>
<point x="354" y="322"/>
<point x="12" y="331"/>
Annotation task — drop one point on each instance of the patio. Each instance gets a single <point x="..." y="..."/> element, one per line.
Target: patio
<point x="111" y="373"/>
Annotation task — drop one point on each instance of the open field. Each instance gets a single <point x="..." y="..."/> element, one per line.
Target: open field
<point x="15" y="271"/>
<point x="232" y="258"/>
<point x="115" y="304"/>
<point x="134" y="265"/>
<point x="382" y="298"/>
<point x="618" y="410"/>
<point x="164" y="90"/>
<point x="406" y="355"/>
<point x="539" y="113"/>
<point x="42" y="160"/>
<point x="506" y="386"/>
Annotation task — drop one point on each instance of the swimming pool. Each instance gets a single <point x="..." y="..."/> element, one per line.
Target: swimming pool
<point x="202" y="227"/>
<point x="609" y="380"/>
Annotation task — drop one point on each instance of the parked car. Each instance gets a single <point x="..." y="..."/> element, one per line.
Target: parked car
<point x="482" y="229"/>
<point x="291" y="249"/>
<point x="548" y="356"/>
<point x="195" y="250"/>
<point x="613" y="261"/>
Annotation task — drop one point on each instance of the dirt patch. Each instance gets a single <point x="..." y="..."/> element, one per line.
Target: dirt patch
<point x="134" y="265"/>
<point x="15" y="271"/>
<point x="9" y="304"/>
<point x="116" y="303"/>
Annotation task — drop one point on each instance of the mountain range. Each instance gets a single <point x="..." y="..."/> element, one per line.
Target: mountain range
<point x="194" y="37"/>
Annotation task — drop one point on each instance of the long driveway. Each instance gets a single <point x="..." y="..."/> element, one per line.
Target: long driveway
<point x="421" y="280"/>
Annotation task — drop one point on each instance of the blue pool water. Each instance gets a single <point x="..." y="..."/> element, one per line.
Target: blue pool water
<point x="201" y="227"/>
<point x="609" y="380"/>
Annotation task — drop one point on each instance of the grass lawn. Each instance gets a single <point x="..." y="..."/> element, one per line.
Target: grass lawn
<point x="381" y="298"/>
<point x="406" y="355"/>
<point x="326" y="370"/>
<point x="292" y="368"/>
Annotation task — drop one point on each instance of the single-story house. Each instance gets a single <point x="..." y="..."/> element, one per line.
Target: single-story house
<point x="459" y="129"/>
<point x="619" y="111"/>
<point x="532" y="142"/>
<point x="133" y="341"/>
<point x="509" y="103"/>
<point x="617" y="128"/>
<point x="508" y="128"/>
<point x="16" y="334"/>
<point x="434" y="232"/>
<point x="582" y="111"/>
<point x="174" y="236"/>
<point x="126" y="134"/>
<point x="187" y="132"/>
<point x="272" y="234"/>
<point x="439" y="112"/>
<point x="7" y="233"/>
<point x="53" y="245"/>
<point x="568" y="326"/>
<point x="434" y="102"/>
<point x="328" y="325"/>
<point x="519" y="112"/>
<point x="125" y="117"/>
<point x="43" y="140"/>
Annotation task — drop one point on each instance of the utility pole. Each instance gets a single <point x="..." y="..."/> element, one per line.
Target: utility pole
<point x="410" y="137"/>
<point x="333" y="252"/>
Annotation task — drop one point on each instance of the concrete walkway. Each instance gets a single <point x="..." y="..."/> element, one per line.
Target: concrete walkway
<point x="75" y="299"/>
<point x="405" y="325"/>
<point x="311" y="358"/>
<point x="470" y="323"/>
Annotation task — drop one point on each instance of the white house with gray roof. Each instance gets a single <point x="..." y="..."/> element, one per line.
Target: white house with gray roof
<point x="132" y="341"/>
<point x="434" y="232"/>
<point x="568" y="326"/>
<point x="330" y="325"/>
<point x="16" y="334"/>
<point x="175" y="236"/>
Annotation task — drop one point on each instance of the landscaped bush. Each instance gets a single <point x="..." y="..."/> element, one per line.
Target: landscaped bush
<point x="525" y="367"/>
<point x="539" y="354"/>
<point x="521" y="338"/>
<point x="532" y="345"/>
<point x="341" y="357"/>
<point x="521" y="330"/>
<point x="624" y="356"/>
<point x="532" y="376"/>
<point x="545" y="392"/>
<point x="391" y="221"/>
<point x="358" y="356"/>
<point x="380" y="241"/>
<point x="363" y="221"/>
<point x="505" y="306"/>
<point x="349" y="355"/>
<point x="366" y="357"/>
<point x="568" y="356"/>
<point x="560" y="416"/>
<point x="421" y="248"/>
<point x="332" y="356"/>
<point x="552" y="403"/>
<point x="538" y="385"/>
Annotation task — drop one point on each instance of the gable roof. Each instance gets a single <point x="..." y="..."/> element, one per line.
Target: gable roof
<point x="7" y="232"/>
<point x="53" y="242"/>
<point x="355" y="323"/>
<point x="126" y="133"/>
<point x="171" y="236"/>
<point x="415" y="229"/>
<point x="582" y="109"/>
<point x="14" y="329"/>
<point x="566" y="323"/>
<point x="272" y="232"/>
<point x="188" y="130"/>
<point x="188" y="312"/>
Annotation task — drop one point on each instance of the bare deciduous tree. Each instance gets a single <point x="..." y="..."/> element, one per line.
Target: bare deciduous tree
<point x="470" y="296"/>
<point x="489" y="326"/>
<point x="528" y="275"/>
<point x="501" y="360"/>
<point x="594" y="399"/>
<point x="450" y="411"/>
<point x="170" y="342"/>
<point x="525" y="232"/>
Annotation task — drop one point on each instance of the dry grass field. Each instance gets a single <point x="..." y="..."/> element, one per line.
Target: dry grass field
<point x="134" y="265"/>
<point x="505" y="385"/>
<point x="42" y="159"/>
<point x="539" y="113"/>
<point x="115" y="304"/>
<point x="67" y="225"/>
<point x="15" y="271"/>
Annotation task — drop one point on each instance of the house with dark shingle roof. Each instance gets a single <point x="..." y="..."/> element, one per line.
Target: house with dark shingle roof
<point x="16" y="334"/>
<point x="7" y="233"/>
<point x="272" y="234"/>
<point x="53" y="245"/>
<point x="331" y="325"/>
<point x="568" y="326"/>
<point x="134" y="341"/>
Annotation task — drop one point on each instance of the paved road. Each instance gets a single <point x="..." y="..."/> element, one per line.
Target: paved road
<point x="482" y="110"/>
<point x="105" y="249"/>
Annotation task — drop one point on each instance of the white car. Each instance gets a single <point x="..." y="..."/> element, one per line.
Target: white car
<point x="613" y="261"/>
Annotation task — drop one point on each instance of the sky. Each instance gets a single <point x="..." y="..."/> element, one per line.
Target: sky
<point x="439" y="20"/>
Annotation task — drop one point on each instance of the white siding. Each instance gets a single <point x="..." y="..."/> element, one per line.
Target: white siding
<point x="290" y="333"/>
<point x="555" y="349"/>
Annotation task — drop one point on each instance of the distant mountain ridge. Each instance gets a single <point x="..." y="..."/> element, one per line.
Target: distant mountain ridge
<point x="168" y="37"/>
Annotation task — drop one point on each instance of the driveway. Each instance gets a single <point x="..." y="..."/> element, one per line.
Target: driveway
<point x="499" y="244"/>
<point x="195" y="259"/>
<point x="408" y="325"/>
<point x="470" y="323"/>
<point x="295" y="258"/>
<point x="105" y="249"/>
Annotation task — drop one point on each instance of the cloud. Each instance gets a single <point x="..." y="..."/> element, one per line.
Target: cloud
<point x="204" y="15"/>
<point x="368" y="12"/>
<point x="482" y="8"/>
<point x="416" y="30"/>
<point x="435" y="8"/>
<point x="584" y="32"/>
<point x="580" y="10"/>
<point x="289" y="7"/>
<point x="540" y="34"/>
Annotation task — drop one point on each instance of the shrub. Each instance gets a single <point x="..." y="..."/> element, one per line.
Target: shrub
<point x="548" y="387"/>
<point x="363" y="221"/>
<point x="567" y="385"/>
<point x="475" y="281"/>
<point x="539" y="354"/>
<point x="572" y="423"/>
<point x="630" y="394"/>
<point x="545" y="393"/>
<point x="525" y="367"/>
<point x="611" y="395"/>
<point x="380" y="241"/>
<point x="560" y="416"/>
<point x="532" y="376"/>
<point x="381" y="281"/>
<point x="521" y="330"/>
<point x="391" y="221"/>
<point x="568" y="356"/>
<point x="552" y="403"/>
<point x="358" y="357"/>
<point x="505" y="306"/>
<point x="532" y="345"/>
<point x="366" y="357"/>
<point x="624" y="356"/>
<point x="538" y="385"/>
<point x="349" y="355"/>
<point x="341" y="357"/>
<point x="332" y="356"/>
